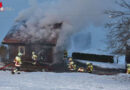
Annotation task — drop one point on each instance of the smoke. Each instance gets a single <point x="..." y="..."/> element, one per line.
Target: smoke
<point x="74" y="15"/>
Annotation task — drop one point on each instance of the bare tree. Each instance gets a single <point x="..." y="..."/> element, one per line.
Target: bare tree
<point x="119" y="27"/>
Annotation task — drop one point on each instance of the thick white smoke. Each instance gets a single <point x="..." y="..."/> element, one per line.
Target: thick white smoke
<point x="75" y="15"/>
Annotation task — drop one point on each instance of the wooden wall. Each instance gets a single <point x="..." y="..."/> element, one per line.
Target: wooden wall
<point x="13" y="51"/>
<point x="40" y="50"/>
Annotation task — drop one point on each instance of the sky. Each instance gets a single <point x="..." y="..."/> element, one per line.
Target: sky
<point x="7" y="17"/>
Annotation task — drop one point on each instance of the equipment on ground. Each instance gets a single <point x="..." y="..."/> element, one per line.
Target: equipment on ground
<point x="81" y="69"/>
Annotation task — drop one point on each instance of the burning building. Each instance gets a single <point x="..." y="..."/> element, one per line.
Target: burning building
<point x="26" y="41"/>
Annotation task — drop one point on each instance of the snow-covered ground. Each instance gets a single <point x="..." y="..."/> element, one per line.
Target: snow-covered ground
<point x="62" y="81"/>
<point x="105" y="65"/>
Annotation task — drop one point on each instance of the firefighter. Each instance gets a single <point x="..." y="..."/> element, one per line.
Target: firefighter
<point x="81" y="69"/>
<point x="34" y="58"/>
<point x="128" y="69"/>
<point x="89" y="67"/>
<point x="18" y="63"/>
<point x="72" y="66"/>
<point x="69" y="60"/>
<point x="65" y="54"/>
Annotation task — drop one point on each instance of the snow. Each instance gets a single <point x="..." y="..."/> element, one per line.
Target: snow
<point x="62" y="81"/>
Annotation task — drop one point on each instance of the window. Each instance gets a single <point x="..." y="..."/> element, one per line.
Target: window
<point x="21" y="49"/>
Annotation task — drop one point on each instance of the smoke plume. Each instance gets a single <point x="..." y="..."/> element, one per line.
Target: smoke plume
<point x="74" y="15"/>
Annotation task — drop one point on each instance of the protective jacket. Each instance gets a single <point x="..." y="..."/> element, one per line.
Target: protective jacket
<point x="72" y="66"/>
<point x="90" y="68"/>
<point x="34" y="57"/>
<point x="128" y="68"/>
<point x="17" y="61"/>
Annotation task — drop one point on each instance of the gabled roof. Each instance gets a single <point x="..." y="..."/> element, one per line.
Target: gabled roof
<point x="10" y="38"/>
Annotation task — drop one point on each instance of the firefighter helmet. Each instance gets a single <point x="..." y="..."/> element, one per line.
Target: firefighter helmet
<point x="128" y="65"/>
<point x="71" y="62"/>
<point x="70" y="59"/>
<point x="19" y="54"/>
<point x="33" y="52"/>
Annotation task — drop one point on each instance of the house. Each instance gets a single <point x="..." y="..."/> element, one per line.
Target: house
<point x="44" y="48"/>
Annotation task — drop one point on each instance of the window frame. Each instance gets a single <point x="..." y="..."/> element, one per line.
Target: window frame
<point x="23" y="48"/>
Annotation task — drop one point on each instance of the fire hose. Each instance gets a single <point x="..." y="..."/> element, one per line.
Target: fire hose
<point x="10" y="64"/>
